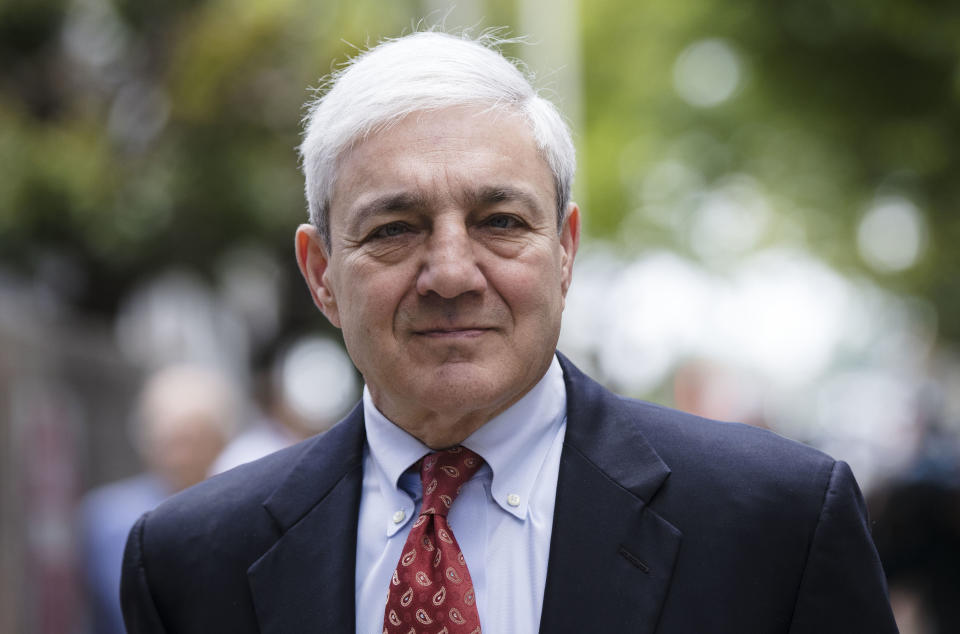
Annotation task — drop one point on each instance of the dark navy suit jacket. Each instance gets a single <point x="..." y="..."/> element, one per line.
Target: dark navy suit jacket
<point x="664" y="522"/>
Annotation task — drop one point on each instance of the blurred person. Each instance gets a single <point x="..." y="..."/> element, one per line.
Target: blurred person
<point x="184" y="416"/>
<point x="713" y="390"/>
<point x="917" y="532"/>
<point x="483" y="482"/>
<point x="307" y="387"/>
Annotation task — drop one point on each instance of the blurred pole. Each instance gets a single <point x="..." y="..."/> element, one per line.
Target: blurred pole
<point x="553" y="27"/>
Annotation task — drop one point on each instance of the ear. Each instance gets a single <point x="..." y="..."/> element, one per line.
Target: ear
<point x="313" y="261"/>
<point x="569" y="242"/>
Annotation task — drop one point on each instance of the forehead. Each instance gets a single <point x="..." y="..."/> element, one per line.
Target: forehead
<point x="443" y="154"/>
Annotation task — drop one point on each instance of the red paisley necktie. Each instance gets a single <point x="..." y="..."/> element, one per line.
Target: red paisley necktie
<point x="431" y="590"/>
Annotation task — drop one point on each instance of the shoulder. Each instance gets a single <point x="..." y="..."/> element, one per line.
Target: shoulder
<point x="727" y="454"/>
<point x="230" y="506"/>
<point x="700" y="454"/>
<point x="189" y="558"/>
<point x="195" y="548"/>
<point x="735" y="492"/>
<point x="681" y="437"/>
<point x="225" y="502"/>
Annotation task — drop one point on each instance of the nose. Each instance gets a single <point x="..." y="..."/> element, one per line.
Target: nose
<point x="450" y="267"/>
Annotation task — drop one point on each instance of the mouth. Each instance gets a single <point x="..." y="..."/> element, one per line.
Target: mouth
<point x="465" y="332"/>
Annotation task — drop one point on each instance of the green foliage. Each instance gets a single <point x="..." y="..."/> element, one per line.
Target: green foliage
<point x="838" y="103"/>
<point x="135" y="134"/>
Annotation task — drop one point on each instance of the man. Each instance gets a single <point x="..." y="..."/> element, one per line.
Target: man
<point x="442" y="243"/>
<point x="185" y="415"/>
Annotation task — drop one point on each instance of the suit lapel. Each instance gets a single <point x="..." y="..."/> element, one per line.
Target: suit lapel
<point x="611" y="556"/>
<point x="305" y="582"/>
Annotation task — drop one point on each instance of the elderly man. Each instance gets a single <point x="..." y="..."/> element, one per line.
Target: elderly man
<point x="484" y="483"/>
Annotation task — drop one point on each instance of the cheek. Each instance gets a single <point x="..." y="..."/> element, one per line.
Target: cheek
<point x="371" y="299"/>
<point x="531" y="288"/>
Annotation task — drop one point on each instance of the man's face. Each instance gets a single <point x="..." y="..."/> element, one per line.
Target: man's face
<point x="446" y="271"/>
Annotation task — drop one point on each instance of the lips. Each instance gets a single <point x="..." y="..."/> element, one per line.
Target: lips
<point x="446" y="331"/>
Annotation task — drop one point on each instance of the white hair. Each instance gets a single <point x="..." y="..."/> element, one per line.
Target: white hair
<point x="423" y="71"/>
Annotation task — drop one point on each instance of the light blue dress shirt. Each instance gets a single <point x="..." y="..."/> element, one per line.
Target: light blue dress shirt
<point x="502" y="519"/>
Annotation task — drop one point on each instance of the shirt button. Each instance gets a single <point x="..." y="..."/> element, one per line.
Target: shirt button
<point x="398" y="516"/>
<point x="513" y="499"/>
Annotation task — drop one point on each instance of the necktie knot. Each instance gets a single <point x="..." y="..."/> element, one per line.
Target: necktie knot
<point x="442" y="473"/>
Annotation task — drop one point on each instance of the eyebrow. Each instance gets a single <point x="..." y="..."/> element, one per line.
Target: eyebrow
<point x="492" y="195"/>
<point x="483" y="196"/>
<point x="387" y="203"/>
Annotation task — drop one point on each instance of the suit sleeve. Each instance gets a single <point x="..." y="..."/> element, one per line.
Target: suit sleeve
<point x="139" y="611"/>
<point x="843" y="588"/>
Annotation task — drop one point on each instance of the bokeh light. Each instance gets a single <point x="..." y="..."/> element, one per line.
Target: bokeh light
<point x="891" y="235"/>
<point x="707" y="73"/>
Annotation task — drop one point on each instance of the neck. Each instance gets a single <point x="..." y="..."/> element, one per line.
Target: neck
<point x="450" y="418"/>
<point x="439" y="430"/>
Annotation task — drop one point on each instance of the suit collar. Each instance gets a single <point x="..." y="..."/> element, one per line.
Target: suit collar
<point x="305" y="582"/>
<point x="319" y="469"/>
<point x="611" y="555"/>
<point x="602" y="428"/>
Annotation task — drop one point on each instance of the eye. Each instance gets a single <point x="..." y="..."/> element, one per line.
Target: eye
<point x="503" y="221"/>
<point x="390" y="230"/>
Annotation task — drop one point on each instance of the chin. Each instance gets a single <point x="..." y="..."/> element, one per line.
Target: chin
<point x="471" y="391"/>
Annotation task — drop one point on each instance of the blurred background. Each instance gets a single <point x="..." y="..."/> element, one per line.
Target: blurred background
<point x="770" y="193"/>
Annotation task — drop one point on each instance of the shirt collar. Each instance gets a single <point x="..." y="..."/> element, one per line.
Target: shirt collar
<point x="514" y="444"/>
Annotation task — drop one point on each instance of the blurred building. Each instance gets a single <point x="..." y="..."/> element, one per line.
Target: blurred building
<point x="65" y="392"/>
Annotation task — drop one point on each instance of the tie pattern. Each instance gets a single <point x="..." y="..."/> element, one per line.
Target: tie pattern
<point x="431" y="590"/>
